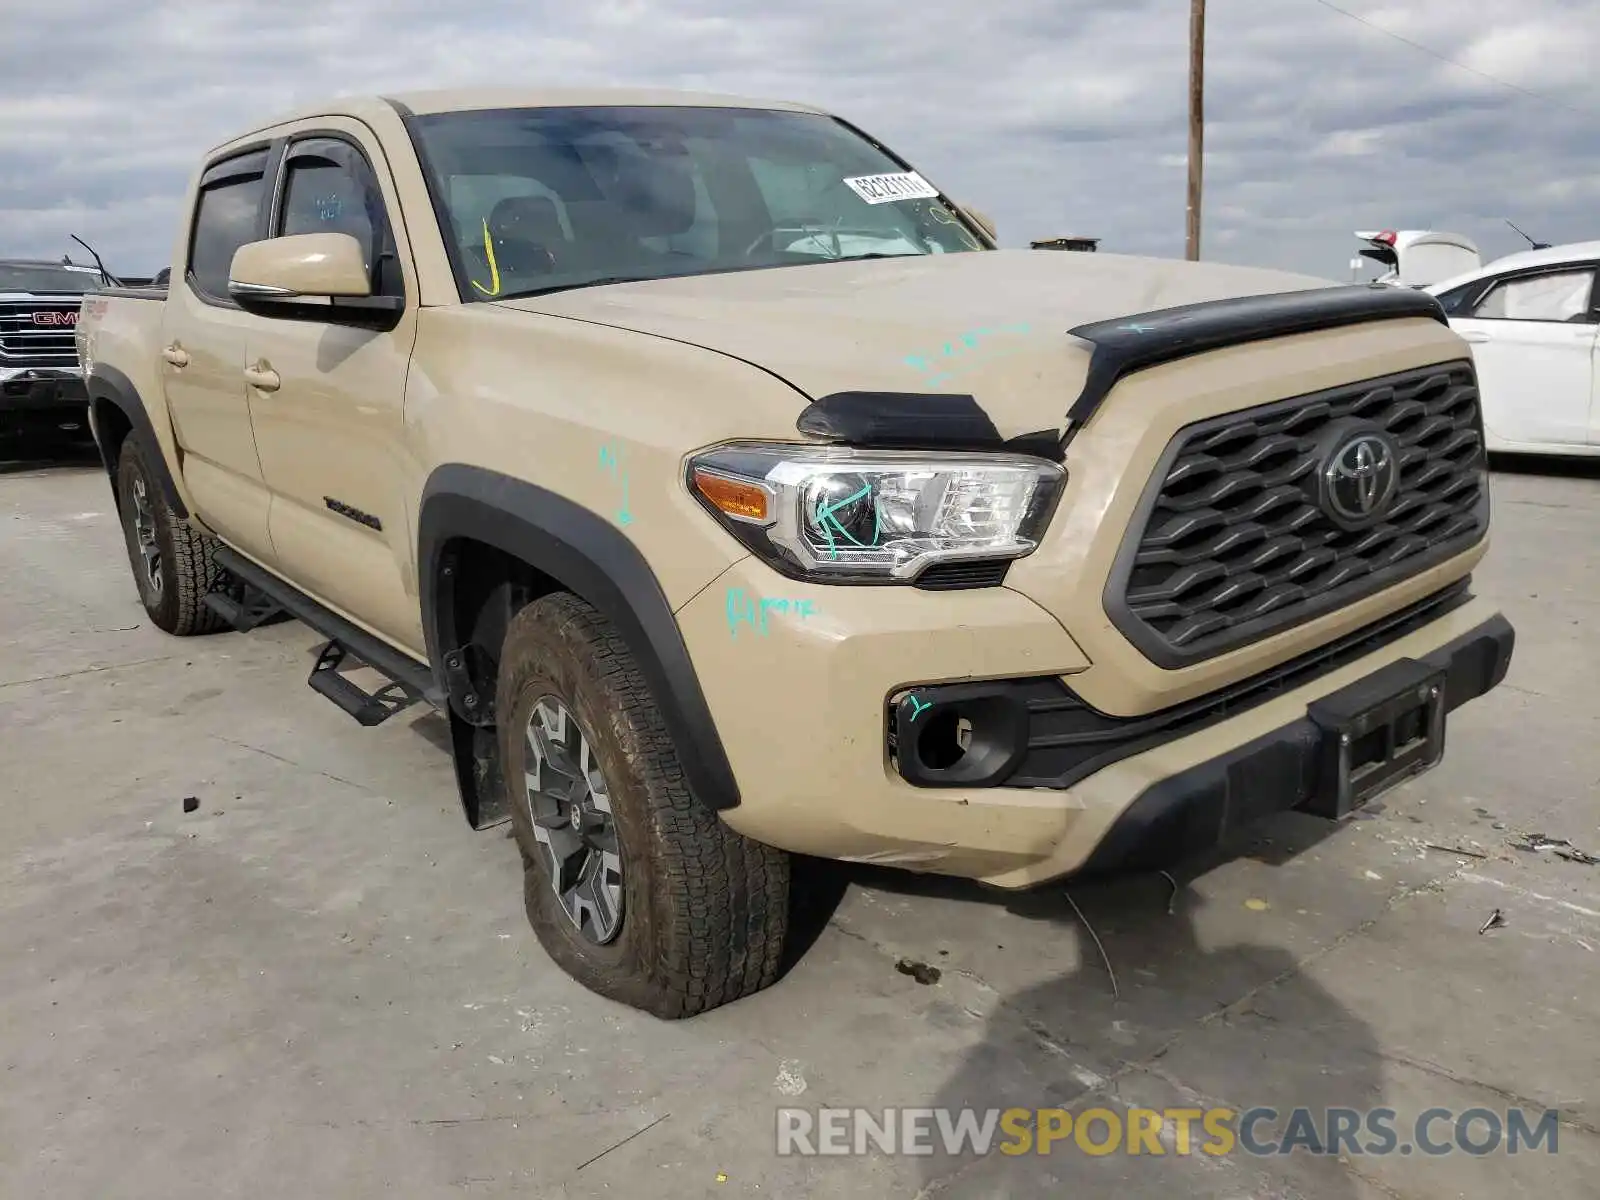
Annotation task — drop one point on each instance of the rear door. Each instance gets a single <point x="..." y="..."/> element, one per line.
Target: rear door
<point x="327" y="399"/>
<point x="202" y="355"/>
<point x="1533" y="337"/>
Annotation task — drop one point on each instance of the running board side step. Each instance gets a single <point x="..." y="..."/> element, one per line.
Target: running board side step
<point x="368" y="708"/>
<point x="245" y="611"/>
<point x="348" y="644"/>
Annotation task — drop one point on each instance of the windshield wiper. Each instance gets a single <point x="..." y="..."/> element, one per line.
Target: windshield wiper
<point x="582" y="283"/>
<point x="550" y="289"/>
<point x="876" y="254"/>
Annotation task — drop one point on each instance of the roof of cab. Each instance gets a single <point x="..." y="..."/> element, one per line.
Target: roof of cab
<point x="1552" y="256"/>
<point x="1549" y="257"/>
<point x="463" y="99"/>
<point x="444" y="100"/>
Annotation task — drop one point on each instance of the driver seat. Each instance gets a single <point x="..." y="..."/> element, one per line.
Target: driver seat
<point x="526" y="232"/>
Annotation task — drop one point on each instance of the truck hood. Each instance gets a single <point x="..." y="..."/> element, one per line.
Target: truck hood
<point x="991" y="325"/>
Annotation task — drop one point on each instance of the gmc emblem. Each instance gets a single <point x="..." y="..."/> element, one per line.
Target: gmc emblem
<point x="56" y="317"/>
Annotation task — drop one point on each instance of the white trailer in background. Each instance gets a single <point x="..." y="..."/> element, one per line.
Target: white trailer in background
<point x="1416" y="257"/>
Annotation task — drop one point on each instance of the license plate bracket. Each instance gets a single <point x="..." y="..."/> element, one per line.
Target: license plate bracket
<point x="1377" y="733"/>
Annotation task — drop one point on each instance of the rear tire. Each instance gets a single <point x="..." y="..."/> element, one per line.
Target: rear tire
<point x="174" y="565"/>
<point x="668" y="910"/>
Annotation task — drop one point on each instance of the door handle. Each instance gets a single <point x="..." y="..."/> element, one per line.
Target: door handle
<point x="262" y="377"/>
<point x="1479" y="338"/>
<point x="176" y="355"/>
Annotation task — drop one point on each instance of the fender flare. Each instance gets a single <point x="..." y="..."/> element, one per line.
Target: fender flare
<point x="593" y="559"/>
<point x="109" y="385"/>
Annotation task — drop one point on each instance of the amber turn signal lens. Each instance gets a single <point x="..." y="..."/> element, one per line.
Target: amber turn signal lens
<point x="735" y="497"/>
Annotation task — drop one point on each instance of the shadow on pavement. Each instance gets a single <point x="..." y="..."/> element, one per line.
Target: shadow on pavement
<point x="816" y="887"/>
<point x="1199" y="1041"/>
<point x="15" y="459"/>
<point x="1545" y="464"/>
<point x="1201" y="1021"/>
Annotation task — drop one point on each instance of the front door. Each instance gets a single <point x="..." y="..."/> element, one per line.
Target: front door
<point x="1533" y="340"/>
<point x="1594" y="371"/>
<point x="327" y="402"/>
<point x="204" y="337"/>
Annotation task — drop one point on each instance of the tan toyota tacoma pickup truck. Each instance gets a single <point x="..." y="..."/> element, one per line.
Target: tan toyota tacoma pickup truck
<point x="733" y="495"/>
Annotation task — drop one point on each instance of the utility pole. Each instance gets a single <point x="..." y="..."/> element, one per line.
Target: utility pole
<point x="1197" y="119"/>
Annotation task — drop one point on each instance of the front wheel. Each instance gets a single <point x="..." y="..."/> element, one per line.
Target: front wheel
<point x="174" y="565"/>
<point x="633" y="887"/>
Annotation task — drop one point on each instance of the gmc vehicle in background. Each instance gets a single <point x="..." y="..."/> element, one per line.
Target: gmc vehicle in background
<point x="41" y="384"/>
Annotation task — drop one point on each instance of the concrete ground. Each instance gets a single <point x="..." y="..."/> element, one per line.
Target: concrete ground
<point x="321" y="983"/>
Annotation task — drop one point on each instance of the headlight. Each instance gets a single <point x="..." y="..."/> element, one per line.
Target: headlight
<point x="863" y="516"/>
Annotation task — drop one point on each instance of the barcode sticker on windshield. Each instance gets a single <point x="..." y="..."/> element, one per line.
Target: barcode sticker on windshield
<point x="882" y="189"/>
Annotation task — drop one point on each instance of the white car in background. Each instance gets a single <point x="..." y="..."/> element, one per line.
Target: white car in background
<point x="1533" y="320"/>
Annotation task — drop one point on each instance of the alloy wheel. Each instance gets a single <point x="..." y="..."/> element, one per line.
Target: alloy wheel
<point x="570" y="806"/>
<point x="144" y="532"/>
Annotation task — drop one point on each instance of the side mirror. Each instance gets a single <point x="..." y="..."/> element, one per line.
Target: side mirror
<point x="982" y="220"/>
<point x="298" y="266"/>
<point x="310" y="277"/>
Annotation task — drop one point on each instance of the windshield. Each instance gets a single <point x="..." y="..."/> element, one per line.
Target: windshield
<point x="31" y="277"/>
<point x="541" y="199"/>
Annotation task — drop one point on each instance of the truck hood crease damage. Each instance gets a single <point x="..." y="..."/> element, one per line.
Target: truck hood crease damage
<point x="991" y="325"/>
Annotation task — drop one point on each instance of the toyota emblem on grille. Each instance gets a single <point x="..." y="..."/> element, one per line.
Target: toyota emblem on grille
<point x="1359" y="478"/>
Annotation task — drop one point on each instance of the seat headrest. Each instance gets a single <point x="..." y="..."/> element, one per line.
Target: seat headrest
<point x="654" y="192"/>
<point x="526" y="219"/>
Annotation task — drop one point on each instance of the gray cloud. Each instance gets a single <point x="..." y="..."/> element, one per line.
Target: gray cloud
<point x="1055" y="117"/>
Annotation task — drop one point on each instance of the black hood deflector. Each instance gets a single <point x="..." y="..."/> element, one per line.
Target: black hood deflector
<point x="1144" y="340"/>
<point x="931" y="421"/>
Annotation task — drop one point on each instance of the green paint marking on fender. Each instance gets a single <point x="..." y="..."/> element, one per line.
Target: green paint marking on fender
<point x="624" y="517"/>
<point x="744" y="609"/>
<point x="611" y="462"/>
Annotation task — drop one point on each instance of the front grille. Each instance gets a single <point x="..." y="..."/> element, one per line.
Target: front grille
<point x="24" y="342"/>
<point x="1069" y="740"/>
<point x="1232" y="542"/>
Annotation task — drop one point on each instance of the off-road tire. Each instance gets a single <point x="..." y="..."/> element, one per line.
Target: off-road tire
<point x="705" y="910"/>
<point x="187" y="565"/>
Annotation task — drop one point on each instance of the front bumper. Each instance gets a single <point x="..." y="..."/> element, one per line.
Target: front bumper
<point x="1280" y="770"/>
<point x="804" y="682"/>
<point x="43" y="400"/>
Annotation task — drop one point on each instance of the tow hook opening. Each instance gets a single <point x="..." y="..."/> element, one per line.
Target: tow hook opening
<point x="945" y="740"/>
<point x="958" y="735"/>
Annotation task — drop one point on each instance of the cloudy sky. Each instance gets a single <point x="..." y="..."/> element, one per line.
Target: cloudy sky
<point x="1055" y="116"/>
